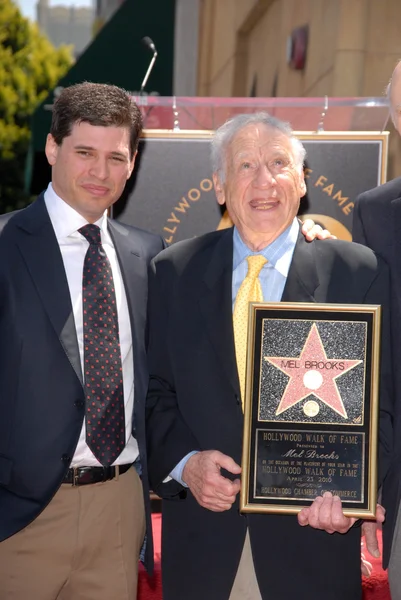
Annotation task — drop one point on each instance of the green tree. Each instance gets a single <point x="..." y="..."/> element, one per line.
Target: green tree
<point x="30" y="67"/>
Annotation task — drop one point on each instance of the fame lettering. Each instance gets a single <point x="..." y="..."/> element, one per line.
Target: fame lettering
<point x="281" y="470"/>
<point x="290" y="364"/>
<point x="294" y="454"/>
<point x="309" y="471"/>
<point x="344" y="493"/>
<point x="274" y="491"/>
<point x="332" y="365"/>
<point x="304" y="378"/>
<point x="314" y="454"/>
<point x="317" y="438"/>
<point x="313" y="364"/>
<point x="279" y="437"/>
<point x="349" y="439"/>
<point x="184" y="205"/>
<point x="348" y="473"/>
<point x="336" y="195"/>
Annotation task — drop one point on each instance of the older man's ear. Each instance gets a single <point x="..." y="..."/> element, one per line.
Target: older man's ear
<point x="312" y="231"/>
<point x="219" y="189"/>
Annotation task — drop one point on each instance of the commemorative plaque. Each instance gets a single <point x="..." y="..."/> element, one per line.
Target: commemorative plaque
<point x="311" y="407"/>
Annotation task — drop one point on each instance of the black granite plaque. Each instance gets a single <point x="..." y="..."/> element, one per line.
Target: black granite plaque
<point x="311" y="407"/>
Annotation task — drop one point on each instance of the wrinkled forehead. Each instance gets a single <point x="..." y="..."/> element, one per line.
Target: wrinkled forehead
<point x="258" y="138"/>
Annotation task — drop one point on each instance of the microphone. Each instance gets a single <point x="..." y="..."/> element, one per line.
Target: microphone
<point x="147" y="41"/>
<point x="149" y="44"/>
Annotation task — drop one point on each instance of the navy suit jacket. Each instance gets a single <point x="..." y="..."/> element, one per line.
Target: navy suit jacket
<point x="194" y="403"/>
<point x="377" y="224"/>
<point x="42" y="400"/>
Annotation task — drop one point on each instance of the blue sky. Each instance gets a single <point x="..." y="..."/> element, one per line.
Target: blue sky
<point x="28" y="7"/>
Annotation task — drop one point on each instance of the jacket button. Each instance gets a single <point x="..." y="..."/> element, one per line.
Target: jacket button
<point x="66" y="458"/>
<point x="79" y="403"/>
<point x="237" y="399"/>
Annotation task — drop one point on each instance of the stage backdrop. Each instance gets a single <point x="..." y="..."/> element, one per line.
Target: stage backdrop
<point x="171" y="190"/>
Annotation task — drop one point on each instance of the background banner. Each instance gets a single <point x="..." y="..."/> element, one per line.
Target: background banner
<point x="171" y="191"/>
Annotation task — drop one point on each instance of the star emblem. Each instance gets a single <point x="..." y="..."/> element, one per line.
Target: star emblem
<point x="312" y="373"/>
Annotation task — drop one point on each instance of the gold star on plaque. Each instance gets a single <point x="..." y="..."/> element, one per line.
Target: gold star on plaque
<point x="312" y="373"/>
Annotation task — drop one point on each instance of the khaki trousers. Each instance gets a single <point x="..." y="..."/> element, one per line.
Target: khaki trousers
<point x="84" y="546"/>
<point x="245" y="585"/>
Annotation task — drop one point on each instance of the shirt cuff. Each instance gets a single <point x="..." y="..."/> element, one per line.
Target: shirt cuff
<point x="176" y="473"/>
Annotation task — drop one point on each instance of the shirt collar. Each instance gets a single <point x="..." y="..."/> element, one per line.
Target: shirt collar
<point x="278" y="253"/>
<point x="66" y="220"/>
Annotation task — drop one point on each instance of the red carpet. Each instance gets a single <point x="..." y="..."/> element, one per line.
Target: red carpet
<point x="375" y="587"/>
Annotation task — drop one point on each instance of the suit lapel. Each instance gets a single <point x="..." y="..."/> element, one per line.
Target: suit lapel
<point x="302" y="280"/>
<point x="39" y="247"/>
<point x="396" y="213"/>
<point x="215" y="303"/>
<point x="216" y="299"/>
<point x="134" y="274"/>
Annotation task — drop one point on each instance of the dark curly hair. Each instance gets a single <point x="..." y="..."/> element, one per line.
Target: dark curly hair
<point x="98" y="104"/>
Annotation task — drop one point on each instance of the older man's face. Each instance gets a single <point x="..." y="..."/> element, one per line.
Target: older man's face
<point x="263" y="186"/>
<point x="395" y="98"/>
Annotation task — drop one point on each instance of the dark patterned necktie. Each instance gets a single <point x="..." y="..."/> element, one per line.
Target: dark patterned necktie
<point x="105" y="422"/>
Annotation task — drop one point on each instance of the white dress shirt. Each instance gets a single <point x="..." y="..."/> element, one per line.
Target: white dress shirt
<point x="73" y="246"/>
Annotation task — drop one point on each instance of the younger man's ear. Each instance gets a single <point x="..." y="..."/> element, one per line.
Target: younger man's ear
<point x="51" y="149"/>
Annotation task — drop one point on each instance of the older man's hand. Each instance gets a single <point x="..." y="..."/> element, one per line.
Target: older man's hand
<point x="326" y="513"/>
<point x="211" y="490"/>
<point x="312" y="231"/>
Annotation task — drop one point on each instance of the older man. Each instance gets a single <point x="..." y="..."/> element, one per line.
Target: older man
<point x="194" y="402"/>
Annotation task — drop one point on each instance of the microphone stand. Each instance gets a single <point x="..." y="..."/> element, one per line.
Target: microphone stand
<point x="148" y="42"/>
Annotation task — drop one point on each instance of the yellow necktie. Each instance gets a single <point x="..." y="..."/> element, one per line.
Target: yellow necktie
<point x="249" y="291"/>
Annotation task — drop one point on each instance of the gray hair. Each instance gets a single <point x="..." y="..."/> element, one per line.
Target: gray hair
<point x="224" y="135"/>
<point x="387" y="90"/>
<point x="388" y="93"/>
<point x="388" y="96"/>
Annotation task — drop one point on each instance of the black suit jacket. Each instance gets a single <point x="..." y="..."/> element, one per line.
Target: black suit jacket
<point x="377" y="224"/>
<point x="41" y="386"/>
<point x="194" y="404"/>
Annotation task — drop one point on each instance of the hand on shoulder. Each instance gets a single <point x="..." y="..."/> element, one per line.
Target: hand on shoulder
<point x="313" y="231"/>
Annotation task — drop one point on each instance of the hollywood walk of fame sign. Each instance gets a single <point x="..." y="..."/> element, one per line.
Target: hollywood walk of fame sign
<point x="311" y="407"/>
